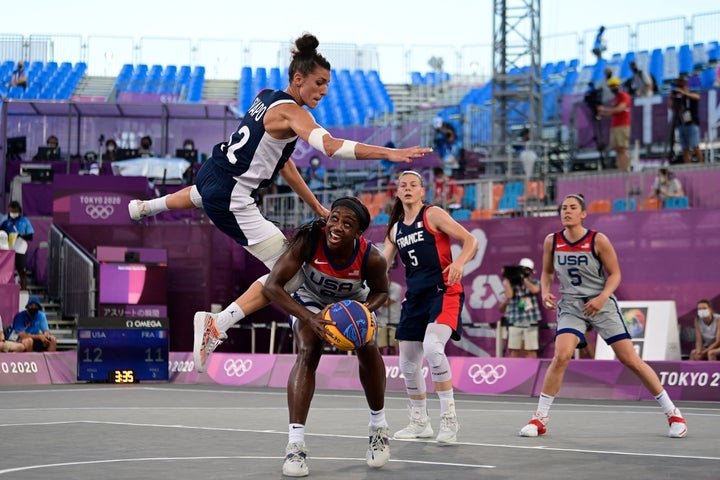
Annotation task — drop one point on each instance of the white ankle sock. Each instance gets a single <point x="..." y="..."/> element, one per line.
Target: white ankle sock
<point x="229" y="317"/>
<point x="418" y="408"/>
<point x="446" y="401"/>
<point x="544" y="404"/>
<point x="296" y="432"/>
<point x="665" y="403"/>
<point x="377" y="418"/>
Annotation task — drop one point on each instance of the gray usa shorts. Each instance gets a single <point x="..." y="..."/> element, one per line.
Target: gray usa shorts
<point x="608" y="322"/>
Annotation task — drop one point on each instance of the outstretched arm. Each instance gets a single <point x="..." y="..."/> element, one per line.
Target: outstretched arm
<point x="305" y="126"/>
<point x="292" y="176"/>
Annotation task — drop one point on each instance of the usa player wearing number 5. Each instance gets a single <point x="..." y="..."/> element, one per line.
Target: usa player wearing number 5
<point x="250" y="160"/>
<point x="579" y="256"/>
<point x="336" y="263"/>
<point x="430" y="313"/>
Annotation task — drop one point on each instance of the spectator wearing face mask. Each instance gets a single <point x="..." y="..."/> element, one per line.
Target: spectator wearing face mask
<point x="145" y="149"/>
<point x="315" y="175"/>
<point x="19" y="231"/>
<point x="32" y="323"/>
<point x="110" y="150"/>
<point x="707" y="333"/>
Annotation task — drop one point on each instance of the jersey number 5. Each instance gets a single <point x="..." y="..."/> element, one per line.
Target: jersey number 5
<point x="413" y="258"/>
<point x="574" y="274"/>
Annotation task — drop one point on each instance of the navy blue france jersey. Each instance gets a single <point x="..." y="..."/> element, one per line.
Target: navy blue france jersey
<point x="250" y="145"/>
<point x="424" y="252"/>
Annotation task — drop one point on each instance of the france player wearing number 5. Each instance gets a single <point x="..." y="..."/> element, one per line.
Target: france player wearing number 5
<point x="336" y="263"/>
<point x="433" y="303"/>
<point x="256" y="153"/>
<point x="579" y="256"/>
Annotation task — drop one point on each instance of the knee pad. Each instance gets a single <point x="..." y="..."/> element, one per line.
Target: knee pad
<point x="268" y="251"/>
<point x="195" y="197"/>
<point x="436" y="336"/>
<point x="411" y="357"/>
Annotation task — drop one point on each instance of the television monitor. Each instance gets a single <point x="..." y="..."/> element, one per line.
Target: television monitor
<point x="189" y="155"/>
<point x="127" y="153"/>
<point x="48" y="153"/>
<point x="132" y="284"/>
<point x="16" y="145"/>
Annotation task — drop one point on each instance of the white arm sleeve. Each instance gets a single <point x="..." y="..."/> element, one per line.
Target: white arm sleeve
<point x="345" y="152"/>
<point x="316" y="139"/>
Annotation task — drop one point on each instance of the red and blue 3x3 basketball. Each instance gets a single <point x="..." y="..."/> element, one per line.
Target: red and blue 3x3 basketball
<point x="354" y="325"/>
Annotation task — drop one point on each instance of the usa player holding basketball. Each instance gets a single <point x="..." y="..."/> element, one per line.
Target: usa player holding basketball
<point x="580" y="257"/>
<point x="433" y="303"/>
<point x="336" y="263"/>
<point x="255" y="154"/>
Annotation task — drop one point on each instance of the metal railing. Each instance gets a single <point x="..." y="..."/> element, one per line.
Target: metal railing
<point x="223" y="58"/>
<point x="71" y="276"/>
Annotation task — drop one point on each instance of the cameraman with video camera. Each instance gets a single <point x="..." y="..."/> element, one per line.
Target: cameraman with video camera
<point x="685" y="116"/>
<point x="521" y="308"/>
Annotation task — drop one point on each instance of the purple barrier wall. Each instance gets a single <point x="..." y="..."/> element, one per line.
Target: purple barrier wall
<point x="589" y="379"/>
<point x="9" y="302"/>
<point x="699" y="186"/>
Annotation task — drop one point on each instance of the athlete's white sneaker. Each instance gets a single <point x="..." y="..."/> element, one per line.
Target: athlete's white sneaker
<point x="448" y="428"/>
<point x="419" y="427"/>
<point x="295" y="464"/>
<point x="378" y="452"/>
<point x="206" y="338"/>
<point x="678" y="427"/>
<point x="139" y="209"/>
<point x="536" y="426"/>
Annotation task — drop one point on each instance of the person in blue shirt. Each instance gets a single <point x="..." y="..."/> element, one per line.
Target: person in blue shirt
<point x="315" y="175"/>
<point x="20" y="231"/>
<point x="599" y="46"/>
<point x="32" y="323"/>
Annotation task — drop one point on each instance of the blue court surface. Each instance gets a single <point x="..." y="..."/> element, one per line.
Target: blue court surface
<point x="164" y="431"/>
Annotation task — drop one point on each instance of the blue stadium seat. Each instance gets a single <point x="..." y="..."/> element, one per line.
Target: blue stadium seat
<point x="507" y="203"/>
<point x="676" y="202"/>
<point x="707" y="78"/>
<point x="381" y="218"/>
<point x="713" y="51"/>
<point x="685" y="60"/>
<point x="656" y="65"/>
<point x="461" y="214"/>
<point x="623" y="205"/>
<point x="699" y="56"/>
<point x="671" y="68"/>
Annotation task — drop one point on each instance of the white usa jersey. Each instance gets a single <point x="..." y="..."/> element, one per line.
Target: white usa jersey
<point x="578" y="267"/>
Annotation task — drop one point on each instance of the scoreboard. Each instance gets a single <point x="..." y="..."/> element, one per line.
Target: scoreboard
<point x="122" y="350"/>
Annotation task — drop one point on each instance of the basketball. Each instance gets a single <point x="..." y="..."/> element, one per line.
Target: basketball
<point x="354" y="325"/>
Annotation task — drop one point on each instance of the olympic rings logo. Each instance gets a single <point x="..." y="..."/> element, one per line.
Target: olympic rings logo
<point x="99" y="211"/>
<point x="237" y="368"/>
<point x="488" y="374"/>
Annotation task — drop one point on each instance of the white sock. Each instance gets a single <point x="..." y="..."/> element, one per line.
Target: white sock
<point x="377" y="418"/>
<point x="665" y="403"/>
<point x="296" y="432"/>
<point x="419" y="408"/>
<point x="157" y="205"/>
<point x="229" y="317"/>
<point x="446" y="401"/>
<point x="544" y="403"/>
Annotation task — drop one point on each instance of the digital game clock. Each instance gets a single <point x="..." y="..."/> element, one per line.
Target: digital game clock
<point x="122" y="350"/>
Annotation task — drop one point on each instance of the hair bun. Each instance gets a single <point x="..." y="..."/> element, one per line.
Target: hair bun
<point x="307" y="44"/>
